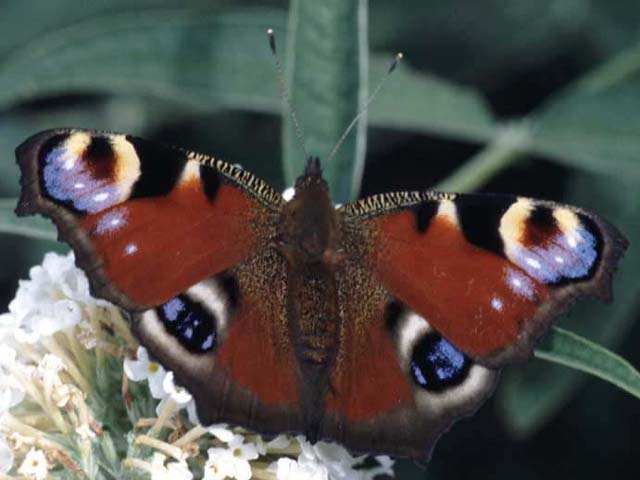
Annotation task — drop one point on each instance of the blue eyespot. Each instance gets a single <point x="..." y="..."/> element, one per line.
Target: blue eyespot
<point x="436" y="364"/>
<point x="189" y="322"/>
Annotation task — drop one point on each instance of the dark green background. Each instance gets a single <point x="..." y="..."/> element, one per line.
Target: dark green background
<point x="569" y="69"/>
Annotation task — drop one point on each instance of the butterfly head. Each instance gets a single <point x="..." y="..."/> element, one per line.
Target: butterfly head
<point x="312" y="178"/>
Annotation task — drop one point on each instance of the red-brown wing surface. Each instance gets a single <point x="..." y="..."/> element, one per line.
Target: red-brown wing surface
<point x="146" y="221"/>
<point x="488" y="272"/>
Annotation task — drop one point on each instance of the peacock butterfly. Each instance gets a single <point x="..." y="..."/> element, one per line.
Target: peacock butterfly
<point x="375" y="324"/>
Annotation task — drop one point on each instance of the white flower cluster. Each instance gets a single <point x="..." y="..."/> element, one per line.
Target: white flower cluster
<point x="55" y="298"/>
<point x="52" y="343"/>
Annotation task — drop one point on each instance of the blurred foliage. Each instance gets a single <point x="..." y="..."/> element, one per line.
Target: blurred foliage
<point x="536" y="97"/>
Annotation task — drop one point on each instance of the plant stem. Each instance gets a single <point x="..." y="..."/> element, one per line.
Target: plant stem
<point x="508" y="147"/>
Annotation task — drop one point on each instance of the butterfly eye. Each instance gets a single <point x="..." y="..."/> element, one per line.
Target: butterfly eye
<point x="436" y="364"/>
<point x="190" y="323"/>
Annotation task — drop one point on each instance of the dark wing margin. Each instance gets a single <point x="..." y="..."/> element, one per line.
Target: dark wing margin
<point x="488" y="272"/>
<point x="145" y="221"/>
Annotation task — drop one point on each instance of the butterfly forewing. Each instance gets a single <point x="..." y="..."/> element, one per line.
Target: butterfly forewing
<point x="489" y="272"/>
<point x="146" y="221"/>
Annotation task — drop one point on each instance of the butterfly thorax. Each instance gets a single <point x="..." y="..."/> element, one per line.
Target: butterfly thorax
<point x="307" y="228"/>
<point x="308" y="239"/>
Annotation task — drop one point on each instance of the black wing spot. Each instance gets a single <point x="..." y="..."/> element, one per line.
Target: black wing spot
<point x="160" y="168"/>
<point x="210" y="182"/>
<point x="392" y="314"/>
<point x="424" y="212"/>
<point x="479" y="217"/>
<point x="231" y="288"/>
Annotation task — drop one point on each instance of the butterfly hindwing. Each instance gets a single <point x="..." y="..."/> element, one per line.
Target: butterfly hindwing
<point x="226" y="340"/>
<point x="396" y="384"/>
<point x="488" y="272"/>
<point x="146" y="221"/>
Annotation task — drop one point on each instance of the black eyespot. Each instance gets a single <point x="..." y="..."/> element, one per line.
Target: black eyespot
<point x="190" y="323"/>
<point x="437" y="365"/>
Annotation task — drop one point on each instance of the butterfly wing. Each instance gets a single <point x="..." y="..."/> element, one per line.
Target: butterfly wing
<point x="227" y="342"/>
<point x="146" y="221"/>
<point x="396" y="384"/>
<point x="441" y="290"/>
<point x="488" y="272"/>
<point x="182" y="241"/>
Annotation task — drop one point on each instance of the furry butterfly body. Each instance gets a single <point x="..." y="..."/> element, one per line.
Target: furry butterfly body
<point x="375" y="324"/>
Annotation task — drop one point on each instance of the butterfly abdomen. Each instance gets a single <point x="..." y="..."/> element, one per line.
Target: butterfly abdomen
<point x="313" y="312"/>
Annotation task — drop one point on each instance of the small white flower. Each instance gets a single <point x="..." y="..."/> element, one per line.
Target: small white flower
<point x="84" y="432"/>
<point x="6" y="456"/>
<point x="34" y="465"/>
<point x="144" y="369"/>
<point x="326" y="461"/>
<point x="233" y="461"/>
<point x="63" y="393"/>
<point x="217" y="466"/>
<point x="48" y="370"/>
<point x="177" y="394"/>
<point x="7" y="356"/>
<point x="338" y="461"/>
<point x="288" y="469"/>
<point x="385" y="468"/>
<point x="54" y="298"/>
<point x="86" y="335"/>
<point x="170" y="471"/>
<point x="50" y="365"/>
<point x="11" y="392"/>
<point x="192" y="415"/>
<point x="222" y="432"/>
<point x="278" y="443"/>
<point x="8" y="325"/>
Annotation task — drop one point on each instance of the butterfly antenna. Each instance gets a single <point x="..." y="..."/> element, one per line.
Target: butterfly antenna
<point x="285" y="93"/>
<point x="362" y="111"/>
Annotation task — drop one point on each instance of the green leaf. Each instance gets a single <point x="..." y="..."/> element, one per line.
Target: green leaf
<point x="571" y="350"/>
<point x="206" y="62"/>
<point x="594" y="124"/>
<point x="418" y="102"/>
<point x="327" y="68"/>
<point x="531" y="394"/>
<point x="202" y="61"/>
<point x="20" y="26"/>
<point x="597" y="131"/>
<point x="33" y="227"/>
<point x="619" y="69"/>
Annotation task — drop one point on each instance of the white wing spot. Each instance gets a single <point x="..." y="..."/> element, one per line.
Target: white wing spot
<point x="497" y="304"/>
<point x="100" y="197"/>
<point x="130" y="249"/>
<point x="532" y="262"/>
